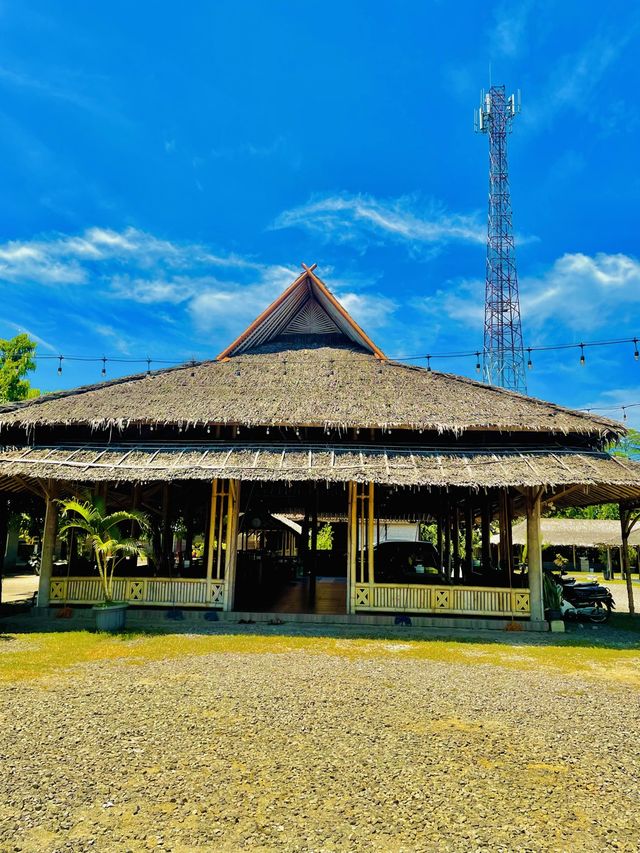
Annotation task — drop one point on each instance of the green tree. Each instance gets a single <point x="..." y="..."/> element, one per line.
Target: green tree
<point x="629" y="446"/>
<point x="103" y="537"/>
<point x="325" y="537"/>
<point x="16" y="361"/>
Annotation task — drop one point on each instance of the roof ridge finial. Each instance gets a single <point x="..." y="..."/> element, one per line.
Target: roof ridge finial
<point x="309" y="269"/>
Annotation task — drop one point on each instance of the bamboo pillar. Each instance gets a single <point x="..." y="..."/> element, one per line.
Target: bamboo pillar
<point x="447" y="542"/>
<point x="508" y="530"/>
<point x="468" y="541"/>
<point x="4" y="521"/>
<point x="624" y="552"/>
<point x="167" y="535"/>
<point x="370" y="529"/>
<point x="231" y="555"/>
<point x="440" y="545"/>
<point x="211" y="536"/>
<point x="609" y="570"/>
<point x="48" y="546"/>
<point x="455" y="536"/>
<point x="534" y="555"/>
<point x="314" y="547"/>
<point x="352" y="545"/>
<point x="485" y="532"/>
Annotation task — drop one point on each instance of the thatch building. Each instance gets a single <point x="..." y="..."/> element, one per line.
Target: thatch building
<point x="589" y="544"/>
<point x="304" y="414"/>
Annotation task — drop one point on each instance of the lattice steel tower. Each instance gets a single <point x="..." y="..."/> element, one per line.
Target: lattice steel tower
<point x="503" y="360"/>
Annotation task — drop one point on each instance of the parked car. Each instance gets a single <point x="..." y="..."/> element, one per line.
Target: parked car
<point x="406" y="562"/>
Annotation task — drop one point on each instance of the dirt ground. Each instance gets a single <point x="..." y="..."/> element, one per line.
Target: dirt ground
<point x="315" y="744"/>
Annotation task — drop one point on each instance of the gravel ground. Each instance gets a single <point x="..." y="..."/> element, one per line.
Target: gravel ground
<point x="301" y="751"/>
<point x="621" y="597"/>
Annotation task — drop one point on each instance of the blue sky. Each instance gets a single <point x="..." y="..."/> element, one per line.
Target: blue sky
<point x="166" y="167"/>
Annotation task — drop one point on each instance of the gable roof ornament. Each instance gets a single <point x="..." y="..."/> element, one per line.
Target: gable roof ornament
<point x="307" y="306"/>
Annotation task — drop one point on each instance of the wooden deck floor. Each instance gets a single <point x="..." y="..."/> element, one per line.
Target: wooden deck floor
<point x="330" y="597"/>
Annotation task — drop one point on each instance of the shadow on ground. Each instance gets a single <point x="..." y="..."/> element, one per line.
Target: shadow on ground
<point x="621" y="632"/>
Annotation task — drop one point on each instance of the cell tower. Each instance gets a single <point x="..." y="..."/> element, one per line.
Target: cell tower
<point x="503" y="360"/>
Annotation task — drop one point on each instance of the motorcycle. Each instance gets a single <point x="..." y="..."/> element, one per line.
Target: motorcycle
<point x="584" y="600"/>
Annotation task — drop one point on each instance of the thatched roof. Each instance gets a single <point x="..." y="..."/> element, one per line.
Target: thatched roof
<point x="581" y="532"/>
<point x="311" y="385"/>
<point x="552" y="469"/>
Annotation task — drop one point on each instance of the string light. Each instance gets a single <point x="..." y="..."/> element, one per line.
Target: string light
<point x="440" y="355"/>
<point x="104" y="366"/>
<point x="60" y="365"/>
<point x="477" y="362"/>
<point x="582" y="358"/>
<point x="624" y="413"/>
<point x="529" y="363"/>
<point x="428" y="364"/>
<point x="148" y="367"/>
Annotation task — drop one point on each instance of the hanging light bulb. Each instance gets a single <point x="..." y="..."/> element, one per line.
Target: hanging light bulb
<point x="104" y="366"/>
<point x="624" y="414"/>
<point x="208" y="430"/>
<point x="60" y="357"/>
<point x="477" y="362"/>
<point x="636" y="354"/>
<point x="428" y="364"/>
<point x="529" y="363"/>
<point x="148" y="367"/>
<point x="582" y="358"/>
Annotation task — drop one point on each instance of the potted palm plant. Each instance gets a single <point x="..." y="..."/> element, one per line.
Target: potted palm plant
<point x="552" y="594"/>
<point x="104" y="538"/>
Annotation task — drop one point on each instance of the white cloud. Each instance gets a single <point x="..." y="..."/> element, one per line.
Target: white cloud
<point x="371" y="311"/>
<point x="583" y="292"/>
<point x="509" y="27"/>
<point x="580" y="293"/>
<point x="229" y="305"/>
<point x="574" y="83"/>
<point x="79" y="259"/>
<point x="365" y="220"/>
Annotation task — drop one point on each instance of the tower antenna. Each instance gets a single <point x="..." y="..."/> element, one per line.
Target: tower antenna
<point x="503" y="359"/>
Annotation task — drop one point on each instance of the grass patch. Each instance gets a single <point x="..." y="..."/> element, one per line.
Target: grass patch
<point x="34" y="656"/>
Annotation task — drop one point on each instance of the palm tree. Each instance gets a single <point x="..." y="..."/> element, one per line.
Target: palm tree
<point x="103" y="536"/>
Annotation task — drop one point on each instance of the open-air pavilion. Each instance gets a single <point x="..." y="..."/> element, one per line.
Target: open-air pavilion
<point x="303" y="415"/>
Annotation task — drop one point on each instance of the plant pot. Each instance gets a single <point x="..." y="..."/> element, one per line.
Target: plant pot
<point x="553" y="615"/>
<point x="110" y="617"/>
